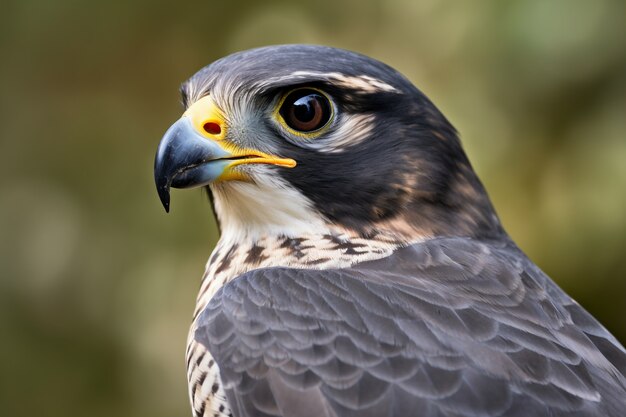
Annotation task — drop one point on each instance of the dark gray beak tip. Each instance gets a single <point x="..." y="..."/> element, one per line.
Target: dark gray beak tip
<point x="162" y="179"/>
<point x="164" y="195"/>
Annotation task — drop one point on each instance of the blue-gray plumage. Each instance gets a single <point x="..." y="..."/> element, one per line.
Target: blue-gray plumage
<point x="362" y="270"/>
<point x="448" y="327"/>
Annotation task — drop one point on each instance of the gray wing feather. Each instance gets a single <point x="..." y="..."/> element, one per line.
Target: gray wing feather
<point x="449" y="327"/>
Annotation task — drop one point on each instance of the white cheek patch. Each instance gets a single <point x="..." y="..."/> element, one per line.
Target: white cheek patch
<point x="269" y="206"/>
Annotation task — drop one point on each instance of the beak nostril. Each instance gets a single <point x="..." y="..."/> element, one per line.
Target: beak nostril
<point x="212" y="128"/>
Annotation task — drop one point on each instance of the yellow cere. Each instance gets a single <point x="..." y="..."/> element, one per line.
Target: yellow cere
<point x="207" y="118"/>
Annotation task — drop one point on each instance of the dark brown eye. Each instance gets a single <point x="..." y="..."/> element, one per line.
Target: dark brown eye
<point x="306" y="110"/>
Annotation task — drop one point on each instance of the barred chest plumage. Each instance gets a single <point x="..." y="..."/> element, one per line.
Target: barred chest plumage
<point x="231" y="259"/>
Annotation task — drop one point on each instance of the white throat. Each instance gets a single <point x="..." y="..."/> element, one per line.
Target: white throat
<point x="267" y="207"/>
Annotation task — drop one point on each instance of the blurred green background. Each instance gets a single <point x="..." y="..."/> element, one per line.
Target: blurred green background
<point x="97" y="284"/>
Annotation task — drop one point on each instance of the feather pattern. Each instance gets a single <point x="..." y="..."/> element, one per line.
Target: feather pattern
<point x="445" y="327"/>
<point x="234" y="256"/>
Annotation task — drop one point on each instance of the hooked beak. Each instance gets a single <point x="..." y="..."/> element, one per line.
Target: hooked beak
<point x="184" y="159"/>
<point x="193" y="152"/>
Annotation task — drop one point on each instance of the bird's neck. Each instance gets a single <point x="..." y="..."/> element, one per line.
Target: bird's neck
<point x="234" y="256"/>
<point x="270" y="208"/>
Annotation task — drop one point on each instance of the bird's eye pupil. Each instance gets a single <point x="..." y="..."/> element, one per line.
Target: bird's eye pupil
<point x="306" y="110"/>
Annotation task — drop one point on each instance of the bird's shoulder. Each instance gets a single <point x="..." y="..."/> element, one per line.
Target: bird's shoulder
<point x="448" y="326"/>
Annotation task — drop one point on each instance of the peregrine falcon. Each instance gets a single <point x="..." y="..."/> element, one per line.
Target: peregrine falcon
<point x="361" y="268"/>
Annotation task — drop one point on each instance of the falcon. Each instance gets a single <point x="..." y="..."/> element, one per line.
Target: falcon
<point x="361" y="268"/>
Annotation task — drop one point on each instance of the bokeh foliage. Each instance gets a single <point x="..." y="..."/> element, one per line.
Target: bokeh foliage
<point x="97" y="284"/>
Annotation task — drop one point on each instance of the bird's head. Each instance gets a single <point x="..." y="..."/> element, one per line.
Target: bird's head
<point x="298" y="138"/>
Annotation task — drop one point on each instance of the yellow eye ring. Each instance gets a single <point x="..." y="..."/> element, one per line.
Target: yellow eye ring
<point x="305" y="112"/>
